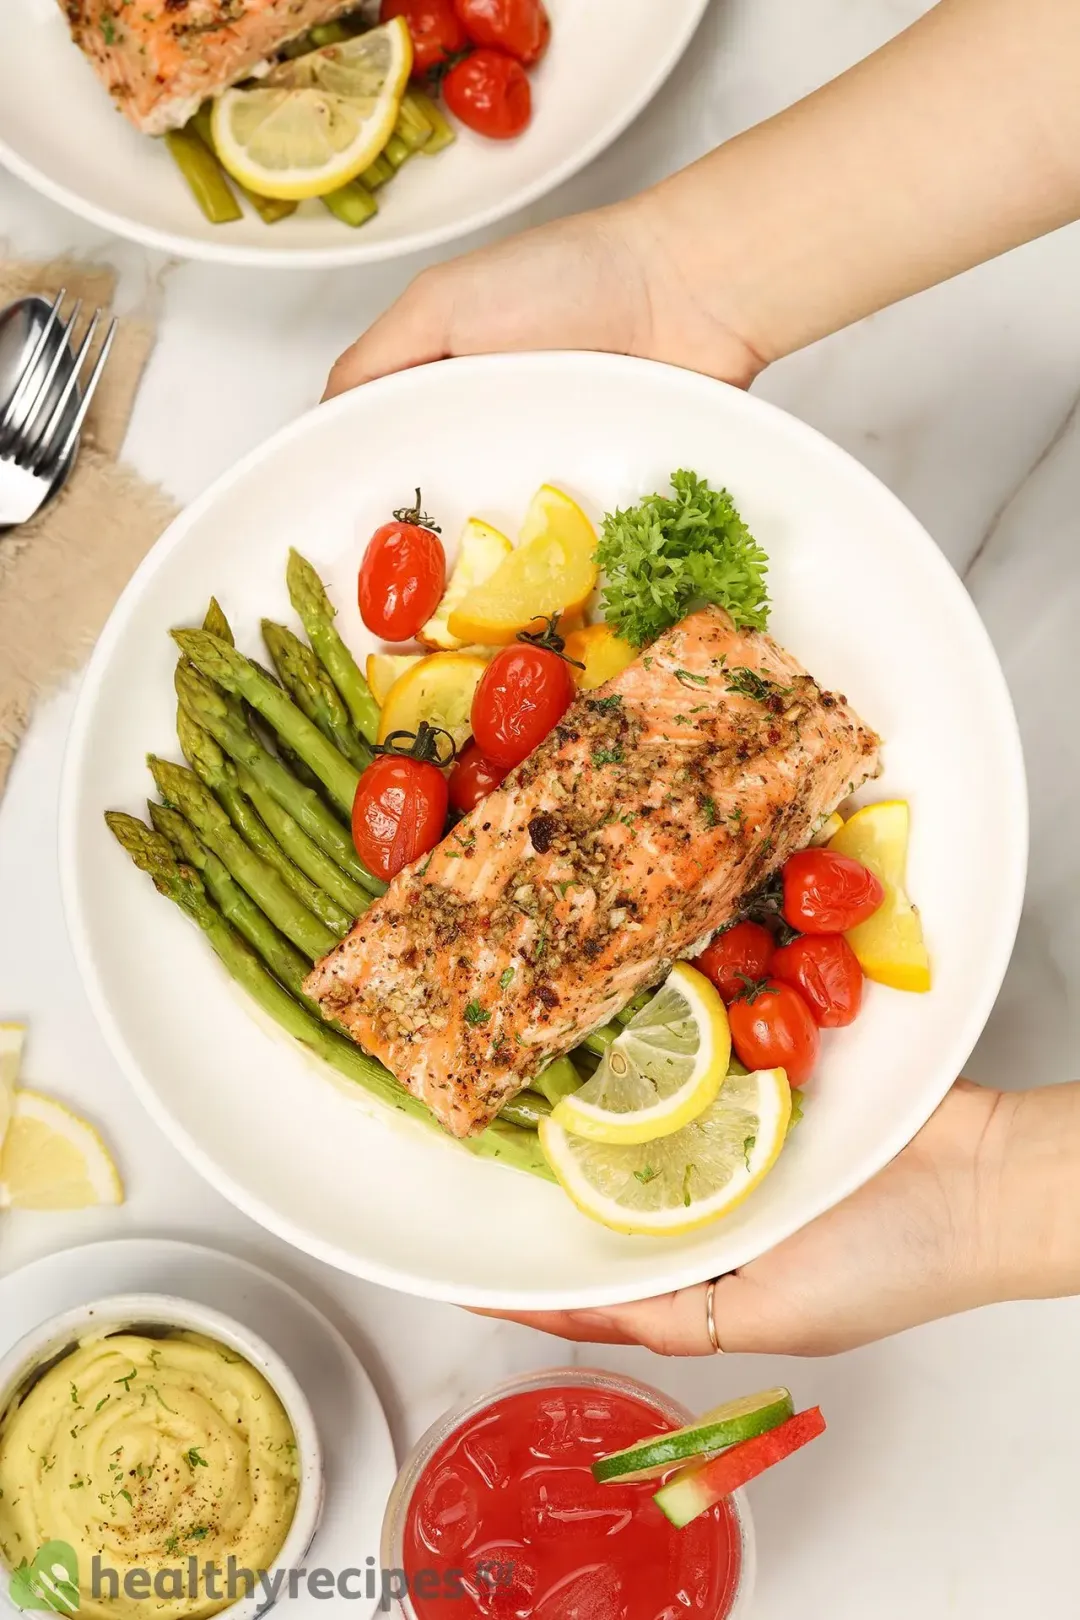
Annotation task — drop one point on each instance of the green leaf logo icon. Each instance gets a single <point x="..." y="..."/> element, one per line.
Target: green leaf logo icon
<point x="50" y="1583"/>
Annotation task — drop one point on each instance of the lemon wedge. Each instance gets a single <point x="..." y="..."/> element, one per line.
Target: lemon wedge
<point x="603" y="653"/>
<point x="890" y="944"/>
<point x="314" y="123"/>
<point x="680" y="1182"/>
<point x="12" y="1038"/>
<point x="551" y="571"/>
<point x="383" y="669"/>
<point x="828" y="829"/>
<point x="439" y="690"/>
<point x="665" y="1067"/>
<point x="52" y="1159"/>
<point x="480" y="552"/>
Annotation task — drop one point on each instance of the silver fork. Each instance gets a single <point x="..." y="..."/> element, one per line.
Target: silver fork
<point x="36" y="442"/>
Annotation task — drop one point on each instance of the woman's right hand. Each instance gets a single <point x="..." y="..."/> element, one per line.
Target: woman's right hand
<point x="604" y="280"/>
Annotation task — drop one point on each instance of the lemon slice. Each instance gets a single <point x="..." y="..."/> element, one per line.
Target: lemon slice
<point x="890" y="944"/>
<point x="439" y="690"/>
<point x="316" y="122"/>
<point x="481" y="551"/>
<point x="828" y="829"/>
<point x="681" y="1182"/>
<point x="383" y="669"/>
<point x="603" y="653"/>
<point x="551" y="571"/>
<point x="12" y="1037"/>
<point x="52" y="1159"/>
<point x="665" y="1067"/>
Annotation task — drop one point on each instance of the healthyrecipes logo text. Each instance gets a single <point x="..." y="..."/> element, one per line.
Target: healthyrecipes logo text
<point x="51" y="1582"/>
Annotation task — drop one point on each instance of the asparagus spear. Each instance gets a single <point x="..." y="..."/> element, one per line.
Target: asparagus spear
<point x="526" y="1110"/>
<point x="204" y="175"/>
<point x="442" y="130"/>
<point x="237" y="675"/>
<point x="216" y="622"/>
<point x="182" y="790"/>
<point x="304" y="851"/>
<point x="559" y="1079"/>
<point x="283" y="959"/>
<point x="352" y="203"/>
<point x="378" y="172"/>
<point x="153" y="854"/>
<point x="313" y="692"/>
<point x="309" y="598"/>
<point x="219" y="775"/>
<point x="221" y="717"/>
<point x="269" y="209"/>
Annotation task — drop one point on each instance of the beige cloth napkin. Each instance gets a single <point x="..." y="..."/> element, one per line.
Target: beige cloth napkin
<point x="61" y="573"/>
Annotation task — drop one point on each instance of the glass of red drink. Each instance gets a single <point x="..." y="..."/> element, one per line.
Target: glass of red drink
<point x="496" y="1515"/>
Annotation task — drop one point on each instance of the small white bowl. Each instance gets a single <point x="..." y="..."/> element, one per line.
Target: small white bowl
<point x="48" y="1344"/>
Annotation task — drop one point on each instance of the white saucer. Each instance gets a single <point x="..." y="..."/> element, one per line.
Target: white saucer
<point x="358" y="1451"/>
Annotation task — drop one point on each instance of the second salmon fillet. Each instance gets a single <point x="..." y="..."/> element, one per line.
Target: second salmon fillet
<point x="623" y="841"/>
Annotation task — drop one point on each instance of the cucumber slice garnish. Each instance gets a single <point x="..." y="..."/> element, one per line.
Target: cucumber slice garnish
<point x="726" y="1425"/>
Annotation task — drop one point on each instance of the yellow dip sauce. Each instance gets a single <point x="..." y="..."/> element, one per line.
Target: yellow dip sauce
<point x="150" y="1455"/>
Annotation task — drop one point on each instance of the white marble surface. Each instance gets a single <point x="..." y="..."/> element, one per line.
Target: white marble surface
<point x="946" y="1486"/>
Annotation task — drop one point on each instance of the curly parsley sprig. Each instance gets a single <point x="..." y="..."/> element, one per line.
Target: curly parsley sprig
<point x="672" y="552"/>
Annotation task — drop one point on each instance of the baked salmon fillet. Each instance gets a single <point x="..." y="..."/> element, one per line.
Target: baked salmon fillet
<point x="160" y="59"/>
<point x="620" y="845"/>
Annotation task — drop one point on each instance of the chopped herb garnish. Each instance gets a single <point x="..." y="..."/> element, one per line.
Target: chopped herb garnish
<point x="505" y="977"/>
<point x="687" y="1173"/>
<point x="648" y="662"/>
<point x="681" y="719"/>
<point x="710" y="812"/>
<point x="749" y="683"/>
<point x="475" y="1014"/>
<point x="607" y="705"/>
<point x="127" y="1497"/>
<point x="128" y="1380"/>
<point x="102" y="1401"/>
<point x="607" y="756"/>
<point x="748" y="1148"/>
<point x="160" y="1398"/>
<point x="77" y="1485"/>
<point x="421" y="870"/>
<point x="686" y="677"/>
<point x="74" y="1394"/>
<point x="108" y="30"/>
<point x="646" y="1175"/>
<point x="200" y="1533"/>
<point x="195" y="1459"/>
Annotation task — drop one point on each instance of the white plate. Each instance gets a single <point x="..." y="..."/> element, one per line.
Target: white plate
<point x="358" y="1453"/>
<point x="862" y="596"/>
<point x="607" y="60"/>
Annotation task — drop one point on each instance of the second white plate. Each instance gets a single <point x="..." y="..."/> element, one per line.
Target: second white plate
<point x="60" y="132"/>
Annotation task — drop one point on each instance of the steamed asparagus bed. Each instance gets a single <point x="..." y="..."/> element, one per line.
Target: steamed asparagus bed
<point x="263" y="862"/>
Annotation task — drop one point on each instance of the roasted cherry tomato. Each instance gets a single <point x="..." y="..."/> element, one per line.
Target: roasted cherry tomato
<point x="826" y="972"/>
<point x="773" y="1028"/>
<point x="523" y="693"/>
<point x="437" y="31"/>
<point x="827" y="893"/>
<point x="399" y="812"/>
<point x="520" y="27"/>
<point x="402" y="576"/>
<point x="489" y="91"/>
<point x="737" y="955"/>
<point x="473" y="778"/>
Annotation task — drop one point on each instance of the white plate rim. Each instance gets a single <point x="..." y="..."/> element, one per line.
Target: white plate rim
<point x="1011" y="883"/>
<point x="272" y="258"/>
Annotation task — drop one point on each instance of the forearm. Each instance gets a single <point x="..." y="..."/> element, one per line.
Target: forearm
<point x="1033" y="1194"/>
<point x="957" y="141"/>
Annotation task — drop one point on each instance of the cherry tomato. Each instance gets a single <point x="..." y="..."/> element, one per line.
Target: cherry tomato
<point x="437" y="32"/>
<point x="739" y="953"/>
<point x="826" y="893"/>
<point x="473" y="778"/>
<point x="399" y="813"/>
<point x="520" y="27"/>
<point x="826" y="972"/>
<point x="773" y="1028"/>
<point x="402" y="576"/>
<point x="489" y="91"/>
<point x="523" y="692"/>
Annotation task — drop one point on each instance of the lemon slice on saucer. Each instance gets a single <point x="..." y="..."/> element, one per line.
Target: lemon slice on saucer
<point x="665" y="1067"/>
<point x="680" y="1182"/>
<point x="52" y="1159"/>
<point x="12" y="1037"/>
<point x="315" y="123"/>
